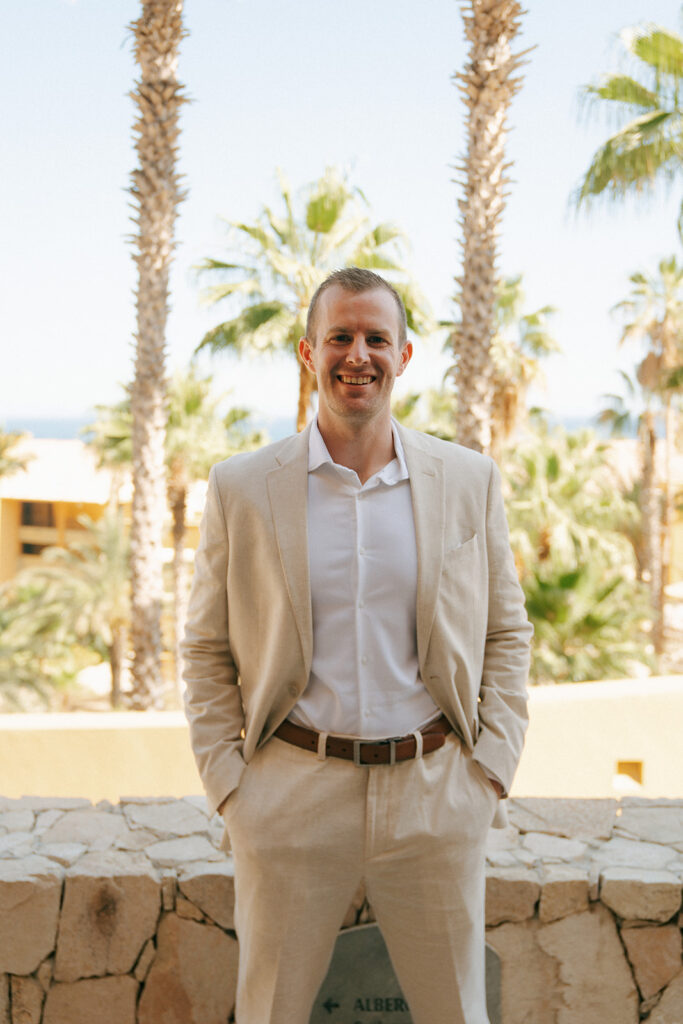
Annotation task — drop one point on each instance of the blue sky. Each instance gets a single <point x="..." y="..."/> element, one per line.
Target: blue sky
<point x="364" y="85"/>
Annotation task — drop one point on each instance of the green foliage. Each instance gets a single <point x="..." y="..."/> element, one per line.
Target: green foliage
<point x="10" y="462"/>
<point x="277" y="263"/>
<point x="648" y="146"/>
<point x="568" y="524"/>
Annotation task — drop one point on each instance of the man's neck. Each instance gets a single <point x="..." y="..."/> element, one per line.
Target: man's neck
<point x="363" y="447"/>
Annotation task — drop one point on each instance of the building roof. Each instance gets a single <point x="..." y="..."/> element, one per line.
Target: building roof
<point x="60" y="470"/>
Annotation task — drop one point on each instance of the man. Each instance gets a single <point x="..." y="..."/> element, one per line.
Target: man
<point x="356" y="658"/>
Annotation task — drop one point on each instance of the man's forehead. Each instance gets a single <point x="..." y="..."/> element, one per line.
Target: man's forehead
<point x="342" y="308"/>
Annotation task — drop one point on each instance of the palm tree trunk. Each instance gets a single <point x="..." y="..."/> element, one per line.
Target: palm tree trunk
<point x="306" y="388"/>
<point x="178" y="501"/>
<point x="652" y="523"/>
<point x="117" y="654"/>
<point x="156" y="195"/>
<point x="487" y="85"/>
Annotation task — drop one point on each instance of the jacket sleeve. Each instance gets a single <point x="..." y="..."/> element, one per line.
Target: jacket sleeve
<point x="503" y="716"/>
<point x="212" y="700"/>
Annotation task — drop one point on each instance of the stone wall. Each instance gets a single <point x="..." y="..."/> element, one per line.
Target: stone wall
<point x="124" y="914"/>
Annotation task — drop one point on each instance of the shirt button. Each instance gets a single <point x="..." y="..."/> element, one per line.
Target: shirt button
<point x="293" y="690"/>
<point x="361" y="551"/>
<point x="361" y="603"/>
<point x="364" y="660"/>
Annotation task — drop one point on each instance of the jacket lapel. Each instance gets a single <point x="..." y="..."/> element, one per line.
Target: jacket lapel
<point x="427" y="493"/>
<point x="288" y="495"/>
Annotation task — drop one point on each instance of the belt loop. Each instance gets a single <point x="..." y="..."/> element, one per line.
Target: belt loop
<point x="322" y="745"/>
<point x="418" y="745"/>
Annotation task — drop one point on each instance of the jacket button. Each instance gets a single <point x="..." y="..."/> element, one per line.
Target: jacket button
<point x="293" y="690"/>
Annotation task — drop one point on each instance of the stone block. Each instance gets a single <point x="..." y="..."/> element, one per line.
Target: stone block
<point x="17" y="821"/>
<point x="93" y="1001"/>
<point x="96" y="829"/>
<point x="511" y="894"/>
<point x="27" y="1000"/>
<point x="594" y="978"/>
<point x="187" y="910"/>
<point x="640" y="895"/>
<point x="193" y="977"/>
<point x="45" y="819"/>
<point x="655" y="955"/>
<point x="30" y="894"/>
<point x="575" y="819"/>
<point x="529" y="983"/>
<point x="631" y="853"/>
<point x="211" y="887"/>
<point x="669" y="1009"/>
<point x="135" y="839"/>
<point x="545" y="847"/>
<point x="16" y="844"/>
<point x="111" y="907"/>
<point x="45" y="972"/>
<point x="65" y="854"/>
<point x="564" y="891"/>
<point x="169" y="887"/>
<point x="176" y="852"/>
<point x="655" y="824"/>
<point x="168" y="821"/>
<point x="43" y="803"/>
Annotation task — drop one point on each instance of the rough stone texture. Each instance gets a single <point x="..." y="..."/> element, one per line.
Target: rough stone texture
<point x="595" y="980"/>
<point x="64" y="853"/>
<point x="45" y="972"/>
<point x="185" y="909"/>
<point x="97" y="829"/>
<point x="546" y="847"/>
<point x="18" y="844"/>
<point x="176" y="852"/>
<point x="168" y="888"/>
<point x="4" y="1000"/>
<point x="193" y="977"/>
<point x="529" y="977"/>
<point x="655" y="955"/>
<point x="669" y="1010"/>
<point x="168" y="820"/>
<point x="96" y="1001"/>
<point x="30" y="893"/>
<point x="43" y="803"/>
<point x="633" y="854"/>
<point x="575" y="819"/>
<point x="111" y="907"/>
<point x="511" y="895"/>
<point x="564" y="891"/>
<point x="639" y="895"/>
<point x="27" y="1000"/>
<point x="656" y="824"/>
<point x="146" y="959"/>
<point x="17" y="821"/>
<point x="211" y="887"/>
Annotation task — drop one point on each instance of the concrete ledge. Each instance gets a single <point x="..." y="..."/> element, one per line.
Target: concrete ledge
<point x="123" y="913"/>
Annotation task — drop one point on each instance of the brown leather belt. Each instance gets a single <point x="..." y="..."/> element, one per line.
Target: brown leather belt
<point x="400" y="748"/>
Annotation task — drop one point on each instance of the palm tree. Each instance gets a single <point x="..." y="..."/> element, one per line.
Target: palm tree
<point x="488" y="85"/>
<point x="648" y="147"/>
<point x="277" y="263"/>
<point x="654" y="318"/>
<point x="196" y="437"/>
<point x="10" y="462"/>
<point x="156" y="195"/>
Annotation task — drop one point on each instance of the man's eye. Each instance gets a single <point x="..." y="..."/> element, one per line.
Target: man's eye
<point x="376" y="340"/>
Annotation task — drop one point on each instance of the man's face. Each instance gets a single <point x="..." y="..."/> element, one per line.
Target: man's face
<point x="355" y="354"/>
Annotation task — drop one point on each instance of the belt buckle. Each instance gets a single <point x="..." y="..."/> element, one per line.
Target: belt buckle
<point x="358" y="743"/>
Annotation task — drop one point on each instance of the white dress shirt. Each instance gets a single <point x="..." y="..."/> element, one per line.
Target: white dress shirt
<point x="364" y="678"/>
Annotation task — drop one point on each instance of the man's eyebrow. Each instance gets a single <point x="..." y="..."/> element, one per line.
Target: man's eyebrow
<point x="340" y="329"/>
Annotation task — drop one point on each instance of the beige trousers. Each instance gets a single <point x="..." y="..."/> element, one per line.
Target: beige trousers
<point x="305" y="832"/>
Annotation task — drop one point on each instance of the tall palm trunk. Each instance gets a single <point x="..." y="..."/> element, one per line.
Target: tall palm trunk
<point x="156" y="195"/>
<point x="652" y="527"/>
<point x="487" y="85"/>
<point x="177" y="499"/>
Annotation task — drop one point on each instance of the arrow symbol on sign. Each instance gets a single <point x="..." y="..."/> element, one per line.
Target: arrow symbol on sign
<point x="330" y="1005"/>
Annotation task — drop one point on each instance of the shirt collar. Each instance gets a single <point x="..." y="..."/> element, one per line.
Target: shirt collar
<point x="394" y="471"/>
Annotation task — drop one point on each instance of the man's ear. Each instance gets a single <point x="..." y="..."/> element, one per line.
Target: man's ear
<point x="306" y="353"/>
<point x="406" y="355"/>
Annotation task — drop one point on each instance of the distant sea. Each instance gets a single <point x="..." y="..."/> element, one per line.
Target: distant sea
<point x="275" y="428"/>
<point x="66" y="428"/>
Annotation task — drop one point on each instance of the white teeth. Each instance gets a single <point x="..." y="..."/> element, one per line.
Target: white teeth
<point x="355" y="380"/>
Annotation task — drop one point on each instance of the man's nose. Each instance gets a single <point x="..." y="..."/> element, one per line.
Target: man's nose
<point x="358" y="350"/>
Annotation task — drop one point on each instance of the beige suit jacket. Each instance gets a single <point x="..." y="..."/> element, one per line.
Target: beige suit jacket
<point x="249" y="638"/>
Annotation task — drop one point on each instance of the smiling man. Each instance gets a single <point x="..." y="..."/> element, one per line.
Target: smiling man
<point x="356" y="657"/>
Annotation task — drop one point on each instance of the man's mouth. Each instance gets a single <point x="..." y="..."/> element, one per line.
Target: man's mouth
<point x="346" y="379"/>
